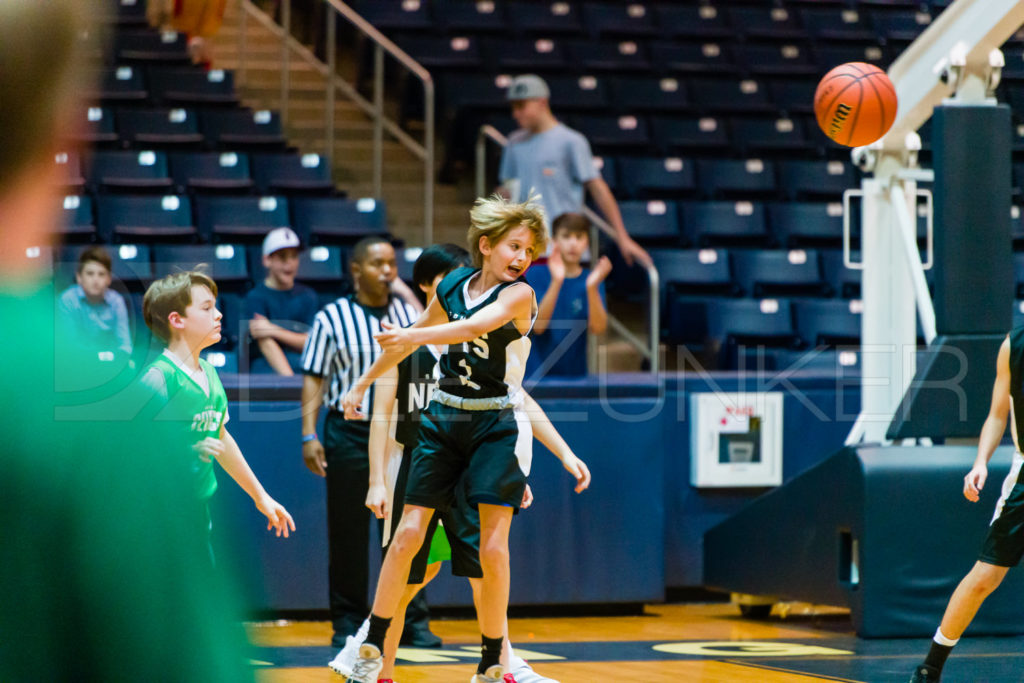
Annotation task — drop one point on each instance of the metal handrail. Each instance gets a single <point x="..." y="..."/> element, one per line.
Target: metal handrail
<point x="335" y="84"/>
<point x="650" y="350"/>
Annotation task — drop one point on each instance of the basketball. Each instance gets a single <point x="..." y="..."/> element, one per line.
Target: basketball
<point x="855" y="104"/>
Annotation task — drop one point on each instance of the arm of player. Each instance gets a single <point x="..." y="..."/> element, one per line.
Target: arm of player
<point x="390" y="358"/>
<point x="231" y="459"/>
<point x="995" y="425"/>
<point x="313" y="450"/>
<point x="549" y="436"/>
<point x="380" y="428"/>
<point x="513" y="304"/>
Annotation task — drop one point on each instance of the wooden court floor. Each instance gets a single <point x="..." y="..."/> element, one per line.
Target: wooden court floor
<point x="700" y="642"/>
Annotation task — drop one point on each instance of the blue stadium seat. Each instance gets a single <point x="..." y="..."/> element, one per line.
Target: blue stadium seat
<point x="835" y="362"/>
<point x="837" y="24"/>
<point x="222" y="359"/>
<point x="1018" y="313"/>
<point x="817" y="178"/>
<point x="441" y="52"/>
<point x="606" y="167"/>
<point x="693" y="21"/>
<point x="471" y="15"/>
<point x="232" y="219"/>
<point x="777" y="23"/>
<point x="458" y="91"/>
<point x="904" y="25"/>
<point x="243" y="128"/>
<point x="768" y="135"/>
<point x="613" y="131"/>
<point x="227" y="263"/>
<point x="129" y="263"/>
<point x="547" y="17"/>
<point x="334" y="218"/>
<point x="721" y="223"/>
<point x="651" y="222"/>
<point x="650" y="94"/>
<point x="798" y="224"/>
<point x="579" y="93"/>
<point x="391" y="15"/>
<point x="188" y="86"/>
<point x="793" y="95"/>
<point x="727" y="177"/>
<point x="764" y="321"/>
<point x="694" y="271"/>
<point x="541" y="54"/>
<point x="827" y="322"/>
<point x="406" y="259"/>
<point x="119" y="85"/>
<point x="700" y="58"/>
<point x="210" y="171"/>
<point x="325" y="266"/>
<point x="144" y="217"/>
<point x="746" y="95"/>
<point x="77" y="218"/>
<point x="151" y="46"/>
<point x="688" y="133"/>
<point x="130" y="170"/>
<point x="653" y="178"/>
<point x="1018" y="274"/>
<point x="94" y="126"/>
<point x="128" y="13"/>
<point x="845" y="282"/>
<point x="287" y="172"/>
<point x="626" y="55"/>
<point x="619" y="19"/>
<point x="70" y="164"/>
<point x="778" y="272"/>
<point x="176" y="126"/>
<point x="774" y="59"/>
<point x="831" y="55"/>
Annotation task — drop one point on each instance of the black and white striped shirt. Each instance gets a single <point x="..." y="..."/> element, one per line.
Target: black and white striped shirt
<point x="341" y="347"/>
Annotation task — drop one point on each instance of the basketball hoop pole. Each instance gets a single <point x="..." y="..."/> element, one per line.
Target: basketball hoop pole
<point x="958" y="54"/>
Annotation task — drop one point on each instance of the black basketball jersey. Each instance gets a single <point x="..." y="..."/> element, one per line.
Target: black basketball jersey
<point x="417" y="380"/>
<point x="1017" y="384"/>
<point x="493" y="364"/>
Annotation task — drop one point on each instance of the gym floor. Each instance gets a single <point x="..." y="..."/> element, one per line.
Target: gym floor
<point x="710" y="643"/>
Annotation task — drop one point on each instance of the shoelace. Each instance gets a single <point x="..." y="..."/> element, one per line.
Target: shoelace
<point x="364" y="667"/>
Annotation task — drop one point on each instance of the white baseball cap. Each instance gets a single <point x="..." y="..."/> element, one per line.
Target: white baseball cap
<point x="279" y="238"/>
<point x="528" y="87"/>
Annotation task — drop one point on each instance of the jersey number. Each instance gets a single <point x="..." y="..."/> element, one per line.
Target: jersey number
<point x="481" y="349"/>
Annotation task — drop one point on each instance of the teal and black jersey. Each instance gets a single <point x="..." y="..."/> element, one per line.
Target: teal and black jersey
<point x="493" y="364"/>
<point x="417" y="379"/>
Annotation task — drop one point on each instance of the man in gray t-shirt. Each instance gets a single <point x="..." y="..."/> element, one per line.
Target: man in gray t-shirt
<point x="554" y="160"/>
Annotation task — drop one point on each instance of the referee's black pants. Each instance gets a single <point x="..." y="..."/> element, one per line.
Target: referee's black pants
<point x="346" y="446"/>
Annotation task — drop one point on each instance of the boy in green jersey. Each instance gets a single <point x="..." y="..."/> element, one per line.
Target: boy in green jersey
<point x="181" y="309"/>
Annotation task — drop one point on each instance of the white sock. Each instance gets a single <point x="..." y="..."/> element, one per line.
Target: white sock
<point x="364" y="629"/>
<point x="943" y="640"/>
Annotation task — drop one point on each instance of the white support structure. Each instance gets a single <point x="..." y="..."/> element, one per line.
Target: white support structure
<point x="957" y="55"/>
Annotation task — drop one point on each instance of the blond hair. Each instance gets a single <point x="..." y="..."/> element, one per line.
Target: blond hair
<point x="172" y="294"/>
<point x="493" y="217"/>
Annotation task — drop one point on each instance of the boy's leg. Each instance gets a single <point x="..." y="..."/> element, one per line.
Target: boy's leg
<point x="495" y="522"/>
<point x="394" y="636"/>
<point x="968" y="597"/>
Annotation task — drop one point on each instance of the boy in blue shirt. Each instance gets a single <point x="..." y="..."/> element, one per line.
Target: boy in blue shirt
<point x="571" y="302"/>
<point x="279" y="310"/>
<point x="95" y="314"/>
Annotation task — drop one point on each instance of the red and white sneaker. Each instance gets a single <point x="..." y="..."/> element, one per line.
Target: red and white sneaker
<point x="522" y="672"/>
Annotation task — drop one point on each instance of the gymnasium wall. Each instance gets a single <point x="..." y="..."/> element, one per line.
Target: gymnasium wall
<point x="637" y="530"/>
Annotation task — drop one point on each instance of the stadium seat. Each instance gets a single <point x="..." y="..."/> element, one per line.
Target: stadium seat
<point x="699" y="58"/>
<point x="128" y="13"/>
<point x="794" y="96"/>
<point x="778" y="272"/>
<point x="619" y="19"/>
<point x="828" y="322"/>
<point x="1018" y="313"/>
<point x="94" y="126"/>
<point x="776" y="23"/>
<point x="730" y="95"/>
<point x="547" y="17"/>
<point x="77" y="218"/>
<point x="541" y="54"/>
<point x="692" y="21"/>
<point x="147" y="45"/>
<point x="459" y="91"/>
<point x="606" y="167"/>
<point x="119" y="85"/>
<point x="324" y="266"/>
<point x="291" y="173"/>
<point x="830" y="55"/>
<point x="721" y="223"/>
<point x="835" y="362"/>
<point x="578" y="93"/>
<point x="774" y="59"/>
<point x="694" y="271"/>
<point x="845" y="282"/>
<point x="731" y="177"/>
<point x="817" y="178"/>
<point x="1018" y="274"/>
<point x="768" y="135"/>
<point x="129" y="263"/>
<point x="70" y="164"/>
<point x="441" y="52"/>
<point x="391" y="15"/>
<point x="627" y="55"/>
<point x="666" y="178"/>
<point x="334" y="218"/>
<point x="831" y="24"/>
<point x="651" y="222"/>
<point x="227" y="263"/>
<point x="130" y="170"/>
<point x="176" y="126"/>
<point x="613" y="131"/>
<point x="232" y="219"/>
<point x="471" y="15"/>
<point x="689" y="133"/>
<point x="901" y="25"/>
<point x="796" y="224"/>
<point x="144" y="218"/>
<point x="243" y="128"/>
<point x="222" y="359"/>
<point x="189" y="86"/>
<point x="210" y="171"/>
<point x="650" y="94"/>
<point x="752" y="321"/>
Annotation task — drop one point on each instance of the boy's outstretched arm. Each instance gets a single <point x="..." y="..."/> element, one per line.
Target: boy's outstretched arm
<point x="225" y="450"/>
<point x="995" y="425"/>
<point x="380" y="430"/>
<point x="549" y="436"/>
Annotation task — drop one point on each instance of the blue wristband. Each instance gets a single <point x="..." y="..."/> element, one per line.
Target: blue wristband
<point x="306" y="438"/>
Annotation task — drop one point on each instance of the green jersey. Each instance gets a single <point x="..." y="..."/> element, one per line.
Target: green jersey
<point x="186" y="401"/>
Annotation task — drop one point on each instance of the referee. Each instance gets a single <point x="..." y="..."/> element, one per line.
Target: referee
<point x="340" y="347"/>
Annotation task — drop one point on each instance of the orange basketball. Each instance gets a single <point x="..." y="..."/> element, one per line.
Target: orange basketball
<point x="855" y="104"/>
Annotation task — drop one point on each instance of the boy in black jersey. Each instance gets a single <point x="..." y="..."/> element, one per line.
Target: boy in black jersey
<point x="475" y="426"/>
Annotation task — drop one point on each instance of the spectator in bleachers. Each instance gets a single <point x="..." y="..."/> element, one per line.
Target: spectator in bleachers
<point x="547" y="156"/>
<point x="279" y="310"/>
<point x="571" y="302"/>
<point x="200" y="20"/>
<point x="91" y="311"/>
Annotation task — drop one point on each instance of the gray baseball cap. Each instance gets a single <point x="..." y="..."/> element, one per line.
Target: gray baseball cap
<point x="528" y="87"/>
